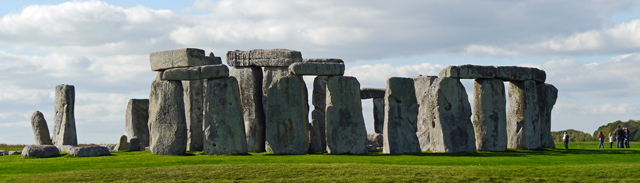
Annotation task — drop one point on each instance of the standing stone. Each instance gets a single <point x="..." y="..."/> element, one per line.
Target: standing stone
<point x="319" y="101"/>
<point x="134" y="144"/>
<point x="451" y="127"/>
<point x="286" y="121"/>
<point x="271" y="75"/>
<point x="64" y="131"/>
<point x="318" y="132"/>
<point x="167" y="123"/>
<point x="490" y="116"/>
<point x="548" y="94"/>
<point x="378" y="115"/>
<point x="224" y="131"/>
<point x="523" y="118"/>
<point x="193" y="101"/>
<point x="346" y="132"/>
<point x="40" y="129"/>
<point x="400" y="119"/>
<point x="122" y="144"/>
<point x="137" y="119"/>
<point x="250" y="82"/>
<point x="422" y="85"/>
<point x="314" y="138"/>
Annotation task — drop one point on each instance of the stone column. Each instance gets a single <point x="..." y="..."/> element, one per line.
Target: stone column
<point x="193" y="101"/>
<point x="318" y="99"/>
<point x="64" y="131"/>
<point x="167" y="122"/>
<point x="250" y="82"/>
<point x="400" y="119"/>
<point x="378" y="115"/>
<point x="451" y="127"/>
<point x="287" y="117"/>
<point x="224" y="131"/>
<point x="40" y="129"/>
<point x="422" y="84"/>
<point x="136" y="121"/>
<point x="523" y="118"/>
<point x="346" y="133"/>
<point x="270" y="76"/>
<point x="548" y="94"/>
<point x="490" y="115"/>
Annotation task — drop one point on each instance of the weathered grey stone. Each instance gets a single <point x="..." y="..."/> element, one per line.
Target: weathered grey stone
<point x="314" y="138"/>
<point x="122" y="144"/>
<point x="515" y="73"/>
<point x="40" y="151"/>
<point x="91" y="151"/>
<point x="346" y="133"/>
<point x="137" y="119"/>
<point x="318" y="132"/>
<point x="378" y="115"/>
<point x="490" y="115"/>
<point x="196" y="73"/>
<point x="319" y="101"/>
<point x="271" y="75"/>
<point x="14" y="152"/>
<point x="469" y="72"/>
<point x="185" y="57"/>
<point x="134" y="144"/>
<point x="263" y="58"/>
<point x="194" y="113"/>
<point x="111" y="147"/>
<point x="65" y="148"/>
<point x="367" y="93"/>
<point x="212" y="59"/>
<point x="374" y="142"/>
<point x="422" y="85"/>
<point x="250" y="82"/>
<point x="40" y="129"/>
<point x="324" y="60"/>
<point x="286" y="121"/>
<point x="317" y="68"/>
<point x="548" y="94"/>
<point x="167" y="123"/>
<point x="451" y="127"/>
<point x="400" y="119"/>
<point x="64" y="131"/>
<point x="523" y="118"/>
<point x="224" y="131"/>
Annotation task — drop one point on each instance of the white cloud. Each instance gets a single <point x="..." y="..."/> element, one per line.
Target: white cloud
<point x="609" y="109"/>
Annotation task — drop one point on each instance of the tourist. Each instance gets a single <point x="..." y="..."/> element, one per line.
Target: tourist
<point x="601" y="138"/>
<point x="610" y="140"/>
<point x="626" y="137"/>
<point x="565" y="138"/>
<point x="619" y="137"/>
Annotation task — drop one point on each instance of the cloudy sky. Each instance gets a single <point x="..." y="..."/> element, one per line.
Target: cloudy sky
<point x="589" y="49"/>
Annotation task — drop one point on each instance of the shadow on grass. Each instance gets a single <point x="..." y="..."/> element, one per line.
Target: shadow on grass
<point x="518" y="153"/>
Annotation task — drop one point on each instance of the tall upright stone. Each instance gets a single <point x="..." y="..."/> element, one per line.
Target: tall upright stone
<point x="224" y="131"/>
<point x="319" y="101"/>
<point x="450" y="115"/>
<point x="400" y="119"/>
<point x="548" y="94"/>
<point x="40" y="129"/>
<point x="271" y="75"/>
<point x="122" y="144"/>
<point x="490" y="116"/>
<point x="422" y="85"/>
<point x="64" y="131"/>
<point x="378" y="115"/>
<point x="346" y="133"/>
<point x="314" y="138"/>
<point x="287" y="117"/>
<point x="167" y="123"/>
<point x="250" y="82"/>
<point x="524" y="113"/>
<point x="193" y="101"/>
<point x="137" y="120"/>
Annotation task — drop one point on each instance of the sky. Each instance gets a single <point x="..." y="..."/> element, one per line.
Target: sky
<point x="588" y="48"/>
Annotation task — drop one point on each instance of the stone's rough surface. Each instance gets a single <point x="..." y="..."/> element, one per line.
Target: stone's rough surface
<point x="40" y="129"/>
<point x="271" y="75"/>
<point x="250" y="82"/>
<point x="324" y="60"/>
<point x="374" y="142"/>
<point x="523" y="117"/>
<point x="346" y="133"/>
<point x="122" y="144"/>
<point x="450" y="114"/>
<point x="167" y="123"/>
<point x="468" y="72"/>
<point x="547" y="95"/>
<point x="40" y="151"/>
<point x="319" y="131"/>
<point x="367" y="93"/>
<point x="490" y="115"/>
<point x="64" y="131"/>
<point x="185" y="57"/>
<point x="378" y="115"/>
<point x="224" y="131"/>
<point x="286" y="121"/>
<point x="400" y="119"/>
<point x="91" y="151"/>
<point x="515" y="73"/>
<point x="317" y="68"/>
<point x="193" y="105"/>
<point x="212" y="60"/>
<point x="319" y="101"/>
<point x="137" y="119"/>
<point x="263" y="58"/>
<point x="65" y="148"/>
<point x="196" y="73"/>
<point x="134" y="144"/>
<point x="422" y="85"/>
<point x="314" y="138"/>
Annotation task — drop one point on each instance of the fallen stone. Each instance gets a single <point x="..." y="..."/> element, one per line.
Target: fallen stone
<point x="523" y="124"/>
<point x="167" y="123"/>
<point x="375" y="142"/>
<point x="40" y="151"/>
<point x="14" y="152"/>
<point x="451" y="127"/>
<point x="515" y="73"/>
<point x="317" y="68"/>
<point x="64" y="131"/>
<point x="490" y="115"/>
<point x="468" y="72"/>
<point x="134" y="144"/>
<point x="65" y="148"/>
<point x="91" y="151"/>
<point x="422" y="85"/>
<point x="122" y="144"/>
<point x="250" y="82"/>
<point x="137" y="121"/>
<point x="400" y="119"/>
<point x="185" y="57"/>
<point x="378" y="115"/>
<point x="224" y="131"/>
<point x="111" y="147"/>
<point x="40" y="129"/>
<point x="548" y="94"/>
<point x="196" y="73"/>
<point x="194" y="113"/>
<point x="212" y="60"/>
<point x="263" y="58"/>
<point x="271" y="75"/>
<point x="286" y="121"/>
<point x="346" y="133"/>
<point x="367" y="93"/>
<point x="319" y="101"/>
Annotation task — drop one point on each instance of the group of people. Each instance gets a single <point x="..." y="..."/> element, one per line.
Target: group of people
<point x="621" y="137"/>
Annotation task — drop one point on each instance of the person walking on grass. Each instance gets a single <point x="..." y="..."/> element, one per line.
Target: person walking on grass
<point x="565" y="138"/>
<point x="610" y="140"/>
<point x="619" y="137"/>
<point x="601" y="138"/>
<point x="626" y="137"/>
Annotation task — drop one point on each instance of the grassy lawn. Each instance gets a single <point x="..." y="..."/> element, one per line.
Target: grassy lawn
<point x="583" y="162"/>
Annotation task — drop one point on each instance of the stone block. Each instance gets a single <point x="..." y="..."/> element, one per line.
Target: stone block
<point x="91" y="151"/>
<point x="193" y="105"/>
<point x="263" y="58"/>
<point x="287" y="117"/>
<point x="167" y="123"/>
<point x="378" y="115"/>
<point x="134" y="144"/>
<point x="451" y="127"/>
<point x="516" y="73"/>
<point x="523" y="124"/>
<point x="250" y="82"/>
<point x="64" y="131"/>
<point x="40" y="129"/>
<point x="212" y="59"/>
<point x="137" y="121"/>
<point x="422" y="85"/>
<point x="548" y="94"/>
<point x="269" y="76"/>
<point x="468" y="72"/>
<point x="185" y="57"/>
<point x="196" y="73"/>
<point x="367" y="93"/>
<point x="224" y="131"/>
<point x="346" y="132"/>
<point x="400" y="119"/>
<point x="317" y="68"/>
<point x="40" y="151"/>
<point x="122" y="144"/>
<point x="490" y="115"/>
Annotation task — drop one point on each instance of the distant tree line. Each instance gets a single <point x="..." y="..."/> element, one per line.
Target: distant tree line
<point x="574" y="136"/>
<point x="579" y="136"/>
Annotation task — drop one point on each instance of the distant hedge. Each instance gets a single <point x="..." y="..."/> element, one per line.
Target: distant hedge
<point x="633" y="126"/>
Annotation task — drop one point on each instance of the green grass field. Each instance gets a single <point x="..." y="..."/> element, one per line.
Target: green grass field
<point x="583" y="162"/>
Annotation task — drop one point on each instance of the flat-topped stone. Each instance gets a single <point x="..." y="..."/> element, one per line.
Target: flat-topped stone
<point x="317" y="68"/>
<point x="516" y="73"/>
<point x="367" y="93"/>
<point x="64" y="131"/>
<point x="40" y="151"/>
<point x="324" y="60"/>
<point x="196" y="73"/>
<point x="137" y="121"/>
<point x="345" y="130"/>
<point x="263" y="57"/>
<point x="184" y="57"/>
<point x="90" y="151"/>
<point x="468" y="71"/>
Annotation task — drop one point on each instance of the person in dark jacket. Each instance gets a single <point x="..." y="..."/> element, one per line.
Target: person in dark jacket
<point x="565" y="138"/>
<point x="619" y="137"/>
<point x="626" y="137"/>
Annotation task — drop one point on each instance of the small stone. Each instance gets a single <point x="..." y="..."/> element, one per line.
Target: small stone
<point x="263" y="58"/>
<point x="523" y="117"/>
<point x="346" y="132"/>
<point x="40" y="129"/>
<point x="317" y="68"/>
<point x="185" y="57"/>
<point x="224" y="131"/>
<point x="136" y="122"/>
<point x="490" y="115"/>
<point x="196" y="73"/>
<point x="250" y="82"/>
<point x="400" y="119"/>
<point x="287" y="117"/>
<point x="40" y="151"/>
<point x="91" y="151"/>
<point x="134" y="144"/>
<point x="468" y="72"/>
<point x="450" y="117"/>
<point x="375" y="142"/>
<point x="422" y="85"/>
<point x="212" y="60"/>
<point x="64" y="131"/>
<point x="122" y="144"/>
<point x="167" y="123"/>
<point x="515" y="73"/>
<point x="367" y="93"/>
